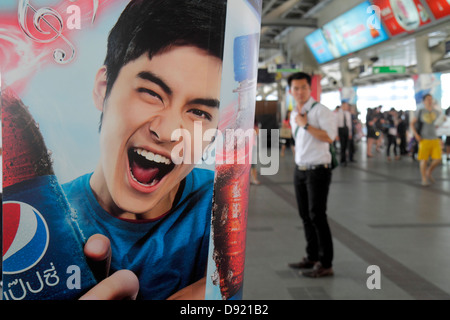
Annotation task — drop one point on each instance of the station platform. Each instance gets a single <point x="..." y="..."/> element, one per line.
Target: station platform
<point x="379" y="214"/>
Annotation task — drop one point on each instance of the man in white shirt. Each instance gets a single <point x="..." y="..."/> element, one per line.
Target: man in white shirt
<point x="344" y="119"/>
<point x="314" y="128"/>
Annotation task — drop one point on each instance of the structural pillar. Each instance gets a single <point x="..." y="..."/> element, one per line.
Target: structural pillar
<point x="423" y="55"/>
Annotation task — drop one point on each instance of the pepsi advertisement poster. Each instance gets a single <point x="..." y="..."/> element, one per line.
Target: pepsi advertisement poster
<point x="122" y="159"/>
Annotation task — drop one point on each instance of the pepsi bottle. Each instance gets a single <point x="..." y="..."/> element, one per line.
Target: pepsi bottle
<point x="42" y="249"/>
<point x="229" y="220"/>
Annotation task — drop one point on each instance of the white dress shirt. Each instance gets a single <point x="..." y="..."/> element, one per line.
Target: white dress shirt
<point x="340" y="118"/>
<point x="308" y="149"/>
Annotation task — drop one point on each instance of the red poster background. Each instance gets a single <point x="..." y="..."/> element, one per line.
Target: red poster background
<point x="389" y="19"/>
<point x="440" y="8"/>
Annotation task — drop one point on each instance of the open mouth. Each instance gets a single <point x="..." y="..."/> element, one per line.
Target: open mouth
<point x="148" y="168"/>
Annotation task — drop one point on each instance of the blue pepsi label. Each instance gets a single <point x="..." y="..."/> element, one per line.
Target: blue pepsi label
<point x="42" y="250"/>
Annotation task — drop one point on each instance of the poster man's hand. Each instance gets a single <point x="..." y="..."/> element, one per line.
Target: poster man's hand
<point x="122" y="285"/>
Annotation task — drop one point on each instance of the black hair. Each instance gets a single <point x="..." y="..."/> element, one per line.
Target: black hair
<point x="155" y="26"/>
<point x="425" y="96"/>
<point x="288" y="115"/>
<point x="299" y="76"/>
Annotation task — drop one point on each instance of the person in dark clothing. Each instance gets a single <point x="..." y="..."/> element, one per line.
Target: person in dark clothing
<point x="372" y="133"/>
<point x="391" y="134"/>
<point x="344" y="119"/>
<point x="401" y="132"/>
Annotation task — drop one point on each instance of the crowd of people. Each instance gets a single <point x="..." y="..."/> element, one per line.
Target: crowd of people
<point x="389" y="129"/>
<point x="387" y="132"/>
<point x="392" y="130"/>
<point x="349" y="131"/>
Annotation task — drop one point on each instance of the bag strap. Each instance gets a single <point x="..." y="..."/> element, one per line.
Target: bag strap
<point x="296" y="129"/>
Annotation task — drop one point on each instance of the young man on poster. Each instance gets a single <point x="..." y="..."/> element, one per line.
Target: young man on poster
<point x="314" y="128"/>
<point x="141" y="211"/>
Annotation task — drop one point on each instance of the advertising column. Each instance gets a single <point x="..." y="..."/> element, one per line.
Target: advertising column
<point x="107" y="109"/>
<point x="233" y="151"/>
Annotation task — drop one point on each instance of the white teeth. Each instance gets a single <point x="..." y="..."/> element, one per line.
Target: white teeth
<point x="152" y="157"/>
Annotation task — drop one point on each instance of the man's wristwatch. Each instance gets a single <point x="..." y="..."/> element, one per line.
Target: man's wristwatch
<point x="306" y="126"/>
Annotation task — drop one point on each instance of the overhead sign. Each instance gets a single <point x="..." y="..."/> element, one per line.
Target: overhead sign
<point x="283" y="68"/>
<point x="354" y="30"/>
<point x="389" y="69"/>
<point x="440" y="8"/>
<point x="401" y="16"/>
<point x="288" y="68"/>
<point x="319" y="47"/>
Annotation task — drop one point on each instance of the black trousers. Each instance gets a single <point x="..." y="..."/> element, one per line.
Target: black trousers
<point x="403" y="150"/>
<point x="343" y="139"/>
<point x="392" y="141"/>
<point x="351" y="149"/>
<point x="311" y="190"/>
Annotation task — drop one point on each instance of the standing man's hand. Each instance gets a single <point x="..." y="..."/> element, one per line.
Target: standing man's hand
<point x="301" y="120"/>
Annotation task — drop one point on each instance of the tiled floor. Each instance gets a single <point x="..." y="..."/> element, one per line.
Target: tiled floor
<point x="379" y="215"/>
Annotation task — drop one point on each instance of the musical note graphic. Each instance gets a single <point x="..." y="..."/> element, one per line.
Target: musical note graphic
<point x="95" y="2"/>
<point x="39" y="16"/>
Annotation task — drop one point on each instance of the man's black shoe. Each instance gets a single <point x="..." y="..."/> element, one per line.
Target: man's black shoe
<point x="305" y="263"/>
<point x="318" y="271"/>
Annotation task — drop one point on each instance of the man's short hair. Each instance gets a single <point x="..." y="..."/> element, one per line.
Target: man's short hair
<point x="425" y="96"/>
<point x="299" y="76"/>
<point x="154" y="26"/>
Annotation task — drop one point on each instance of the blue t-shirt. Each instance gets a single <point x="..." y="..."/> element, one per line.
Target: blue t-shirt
<point x="166" y="254"/>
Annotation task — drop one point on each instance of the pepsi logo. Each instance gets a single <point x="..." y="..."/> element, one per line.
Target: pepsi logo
<point x="25" y="237"/>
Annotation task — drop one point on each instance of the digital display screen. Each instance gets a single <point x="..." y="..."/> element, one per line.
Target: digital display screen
<point x="354" y="30"/>
<point x="319" y="47"/>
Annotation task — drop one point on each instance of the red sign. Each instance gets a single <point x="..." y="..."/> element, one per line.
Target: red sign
<point x="401" y="16"/>
<point x="440" y="8"/>
<point x="316" y="88"/>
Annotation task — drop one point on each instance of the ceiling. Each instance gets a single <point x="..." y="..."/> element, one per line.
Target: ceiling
<point x="280" y="16"/>
<point x="277" y="15"/>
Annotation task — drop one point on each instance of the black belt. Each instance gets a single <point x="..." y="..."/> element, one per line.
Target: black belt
<point x="314" y="167"/>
